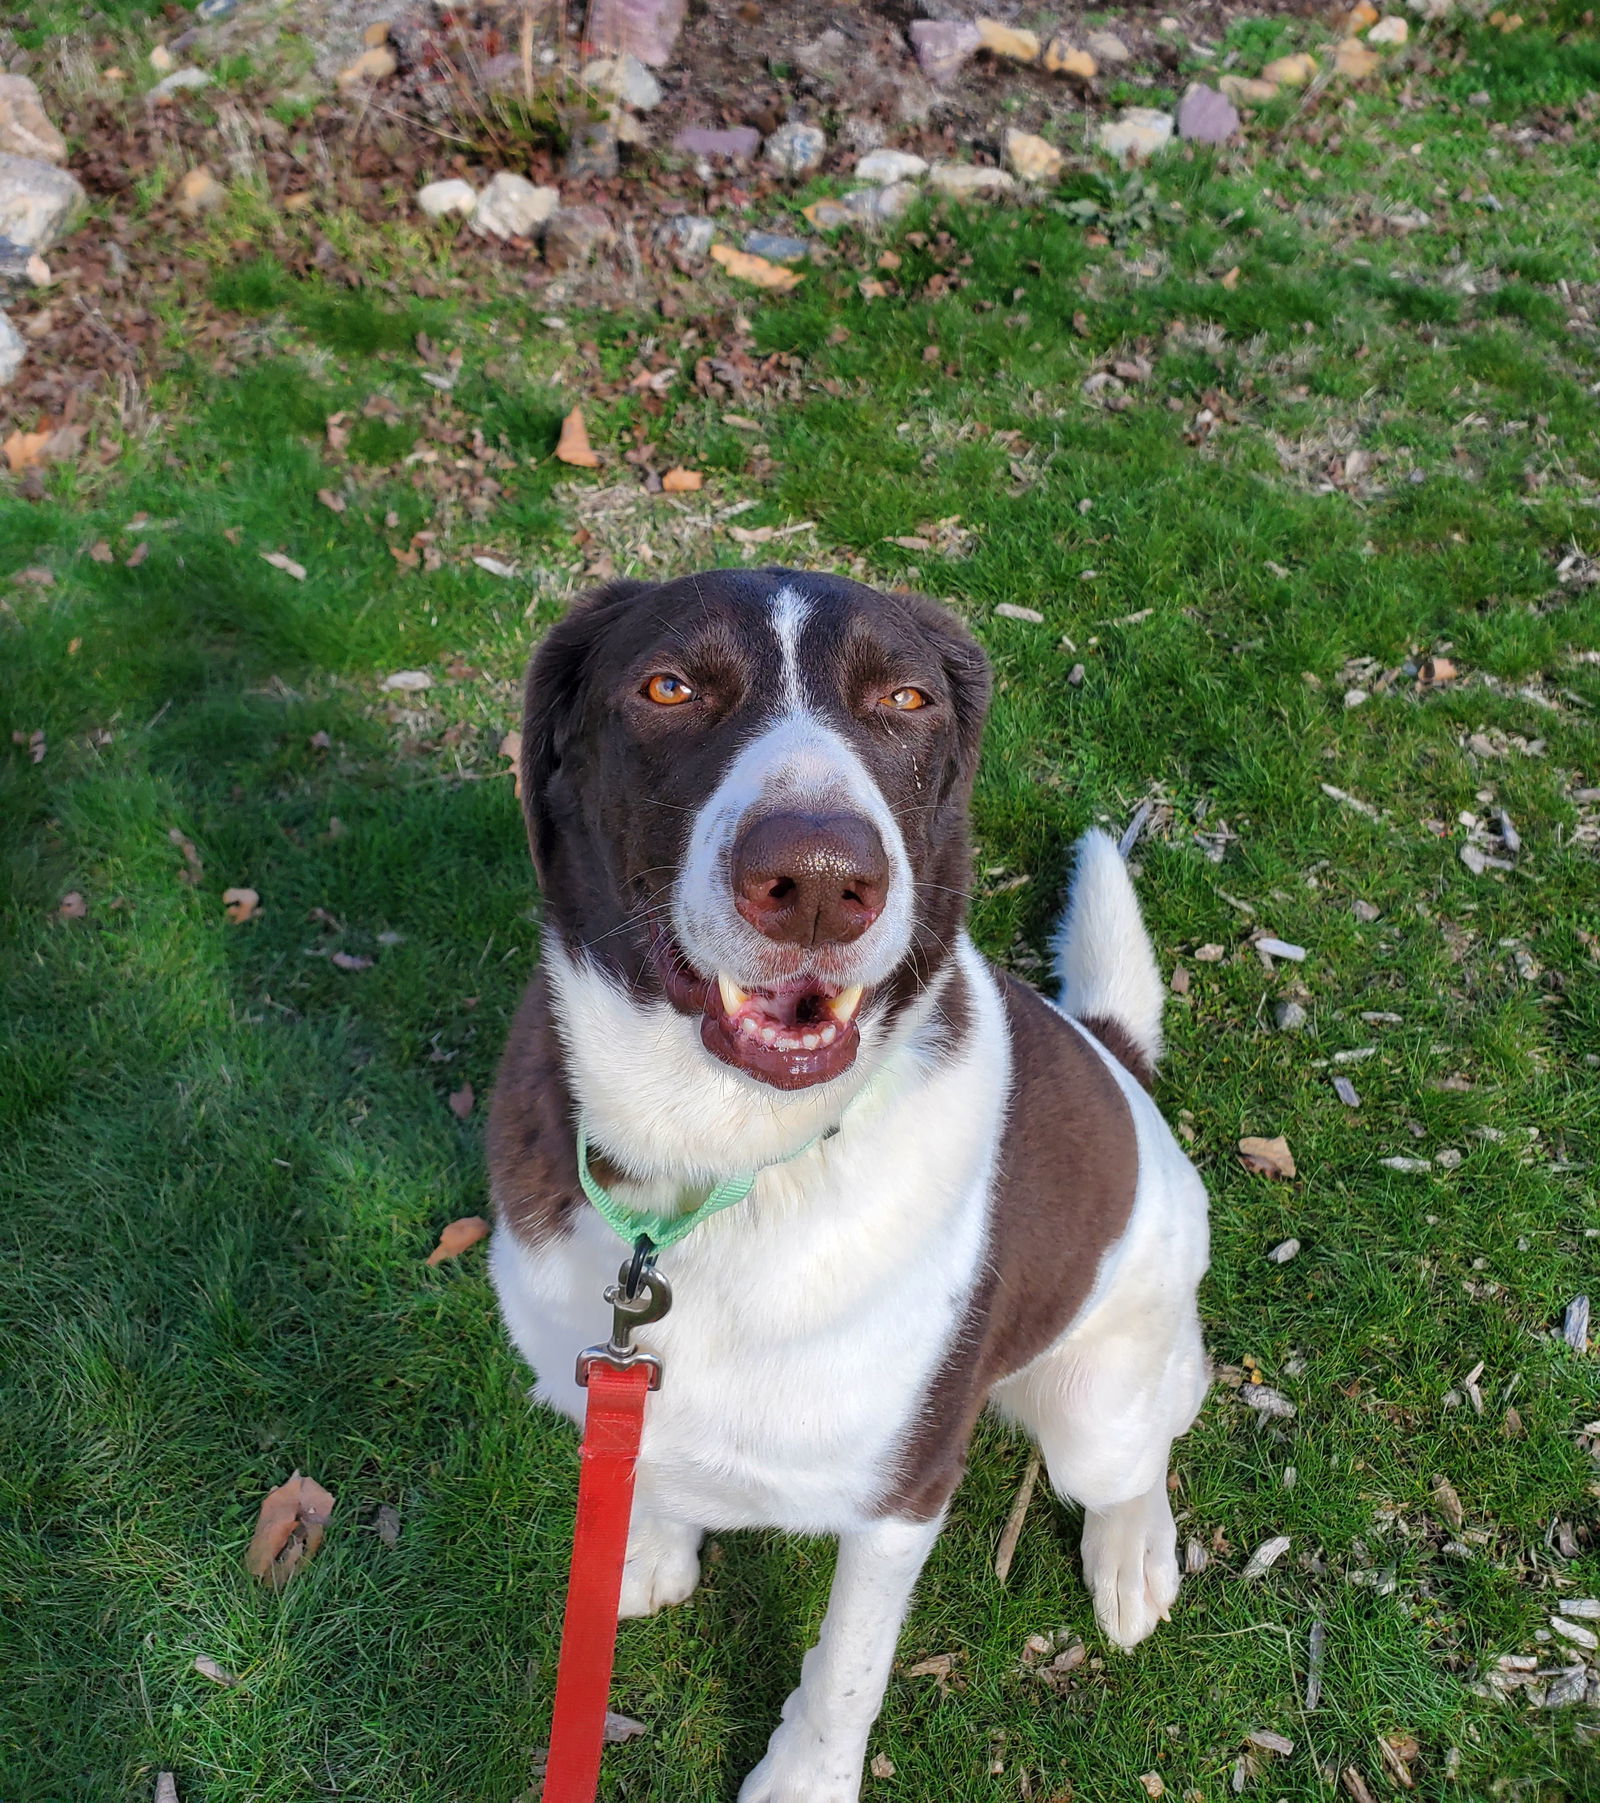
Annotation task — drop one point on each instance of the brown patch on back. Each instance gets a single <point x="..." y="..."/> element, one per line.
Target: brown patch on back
<point x="1122" y="1046"/>
<point x="532" y="1149"/>
<point x="1063" y="1194"/>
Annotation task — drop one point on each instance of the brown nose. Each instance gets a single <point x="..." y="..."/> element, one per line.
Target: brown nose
<point x="809" y="879"/>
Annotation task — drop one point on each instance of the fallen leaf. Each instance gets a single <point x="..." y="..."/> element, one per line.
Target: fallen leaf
<point x="573" y="445"/>
<point x="36" y="575"/>
<point x="289" y="1529"/>
<point x="461" y="1101"/>
<point x="495" y="566"/>
<point x="240" y="904"/>
<point x="1265" y="1556"/>
<point x="457" y="1237"/>
<point x="1267" y="1157"/>
<point x="1008" y="610"/>
<point x="882" y="1766"/>
<point x="286" y="564"/>
<point x="139" y="554"/>
<point x="1231" y="279"/>
<point x="936" y="1667"/>
<point x="511" y="747"/>
<point x="32" y="450"/>
<point x="72" y="906"/>
<point x="334" y="503"/>
<point x="1444" y="1494"/>
<point x="1154" y="1784"/>
<point x="388" y="1524"/>
<point x="101" y="552"/>
<point x="350" y="961"/>
<point x="744" y="267"/>
<point x="208" y="1668"/>
<point x="1270" y="1741"/>
<point x="320" y="741"/>
<point x="407" y="682"/>
<point x="681" y="481"/>
<point x="338" y="433"/>
<point x="622" y="1727"/>
<point x="193" y="870"/>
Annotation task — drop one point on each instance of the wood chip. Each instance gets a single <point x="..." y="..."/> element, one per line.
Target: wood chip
<point x="1008" y="610"/>
<point x="1355" y="1786"/>
<point x="1281" y="948"/>
<point x="681" y="481"/>
<point x="744" y="267"/>
<point x="1444" y="1494"/>
<point x="1267" y="1401"/>
<point x="1269" y="1741"/>
<point x="882" y="1766"/>
<point x="1012" y="1531"/>
<point x="1346" y="1091"/>
<point x="289" y="1529"/>
<point x="1575" y="1324"/>
<point x="1267" y="1157"/>
<point x="1409" y="1165"/>
<point x="457" y="1237"/>
<point x="1351" y="801"/>
<point x="350" y="961"/>
<point x="208" y="1668"/>
<point x="573" y="445"/>
<point x="622" y="1727"/>
<point x="335" y="503"/>
<point x="1397" y="1752"/>
<point x="1579" y="1636"/>
<point x="1283" y="1252"/>
<point x="166" y="1788"/>
<point x="286" y="564"/>
<point x="1265" y="1556"/>
<point x="1195" y="1558"/>
<point x="1316" y="1652"/>
<point x="1154" y="1784"/>
<point x="406" y="682"/>
<point x="387" y="1524"/>
<point x="461" y="1102"/>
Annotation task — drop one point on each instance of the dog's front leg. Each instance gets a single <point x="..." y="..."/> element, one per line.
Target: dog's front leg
<point x="815" y="1754"/>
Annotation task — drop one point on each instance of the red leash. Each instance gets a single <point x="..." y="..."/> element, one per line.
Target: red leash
<point x="618" y="1379"/>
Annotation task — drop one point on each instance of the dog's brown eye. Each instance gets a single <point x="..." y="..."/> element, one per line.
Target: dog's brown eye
<point x="905" y="700"/>
<point x="668" y="691"/>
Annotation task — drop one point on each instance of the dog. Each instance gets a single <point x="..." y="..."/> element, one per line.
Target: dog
<point x="746" y="795"/>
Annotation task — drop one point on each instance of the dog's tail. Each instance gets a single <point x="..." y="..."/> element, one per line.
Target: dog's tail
<point x="1104" y="960"/>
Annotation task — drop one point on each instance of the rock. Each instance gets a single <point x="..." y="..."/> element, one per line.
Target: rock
<point x="574" y="235"/>
<point x="777" y="247"/>
<point x="512" y="207"/>
<point x="1392" y="31"/>
<point x="592" y="151"/>
<point x="25" y="128"/>
<point x="873" y="207"/>
<point x="1353" y="60"/>
<point x="13" y="349"/>
<point x="376" y="63"/>
<point x="439" y="199"/>
<point x="39" y="204"/>
<point x="686" y="235"/>
<point x="1137" y="133"/>
<point x="1248" y="90"/>
<point x="624" y="78"/>
<point x="647" y="29"/>
<point x="178" y="82"/>
<point x="1206" y="117"/>
<point x="968" y="181"/>
<point x="1290" y="71"/>
<point x="796" y="149"/>
<point x="376" y="33"/>
<point x="161" y="59"/>
<point x="1033" y="158"/>
<point x="829" y="215"/>
<point x="1062" y="59"/>
<point x="1359" y="17"/>
<point x="199" y="192"/>
<point x="944" y="46"/>
<point x="1005" y="41"/>
<point x="861" y="133"/>
<point x="1107" y="47"/>
<point x="825" y="58"/>
<point x="885" y="166"/>
<point x="208" y="12"/>
<point x="1289" y="1017"/>
<point x="741" y="142"/>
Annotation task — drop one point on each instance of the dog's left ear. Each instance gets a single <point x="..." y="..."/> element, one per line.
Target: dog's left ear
<point x="966" y="669"/>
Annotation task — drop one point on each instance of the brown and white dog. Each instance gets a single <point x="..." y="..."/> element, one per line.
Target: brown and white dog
<point x="746" y="795"/>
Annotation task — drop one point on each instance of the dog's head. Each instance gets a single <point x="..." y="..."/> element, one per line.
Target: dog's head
<point x="747" y="794"/>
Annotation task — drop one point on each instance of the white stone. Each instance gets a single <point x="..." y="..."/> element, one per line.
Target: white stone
<point x="38" y="202"/>
<point x="1392" y="30"/>
<point x="1140" y="131"/>
<point x="796" y="149"/>
<point x="438" y="199"/>
<point x="1106" y="47"/>
<point x="12" y="350"/>
<point x="1034" y="158"/>
<point x="626" y="79"/>
<point x="177" y="81"/>
<point x="968" y="181"/>
<point x="880" y="206"/>
<point x="25" y="128"/>
<point x="512" y="207"/>
<point x="885" y="166"/>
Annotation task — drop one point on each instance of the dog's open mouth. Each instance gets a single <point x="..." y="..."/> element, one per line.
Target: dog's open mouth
<point x="794" y="1034"/>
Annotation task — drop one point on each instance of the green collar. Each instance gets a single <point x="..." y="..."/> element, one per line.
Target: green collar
<point x="662" y="1229"/>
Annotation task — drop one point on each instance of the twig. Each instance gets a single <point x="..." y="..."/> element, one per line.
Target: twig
<point x="1135" y="826"/>
<point x="1316" y="1646"/>
<point x="1012" y="1532"/>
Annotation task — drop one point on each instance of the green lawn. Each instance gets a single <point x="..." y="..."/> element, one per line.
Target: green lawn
<point x="224" y="1157"/>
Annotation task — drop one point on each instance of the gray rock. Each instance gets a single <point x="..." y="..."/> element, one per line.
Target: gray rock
<point x="969" y="181"/>
<point x="177" y="82"/>
<point x="740" y="142"/>
<point x="776" y="247"/>
<point x="39" y="204"/>
<point x="13" y="348"/>
<point x="575" y="234"/>
<point x="1106" y="47"/>
<point x="626" y="79"/>
<point x="1140" y="132"/>
<point x="14" y="261"/>
<point x="885" y="166"/>
<point x="1289" y="1017"/>
<point x="687" y="235"/>
<point x="826" y="58"/>
<point x="796" y="149"/>
<point x="25" y="128"/>
<point x="1207" y="117"/>
<point x="647" y="29"/>
<point x="208" y="12"/>
<point x="512" y="207"/>
<point x="874" y="207"/>
<point x="438" y="199"/>
<point x="592" y="151"/>
<point x="944" y="46"/>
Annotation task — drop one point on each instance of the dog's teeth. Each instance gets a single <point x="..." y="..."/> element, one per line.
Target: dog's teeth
<point x="733" y="997"/>
<point x="769" y="1035"/>
<point x="844" y="1004"/>
<point x="811" y="1041"/>
<point x="749" y="1026"/>
<point x="828" y="1035"/>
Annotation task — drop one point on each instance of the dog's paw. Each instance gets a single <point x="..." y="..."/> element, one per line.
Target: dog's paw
<point x="1130" y="1563"/>
<point x="803" y="1766"/>
<point x="663" y="1568"/>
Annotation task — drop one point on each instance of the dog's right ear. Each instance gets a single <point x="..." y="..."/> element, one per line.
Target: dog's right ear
<point x="552" y="711"/>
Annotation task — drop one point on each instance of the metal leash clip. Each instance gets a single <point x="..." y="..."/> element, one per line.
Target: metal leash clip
<point x="640" y="1295"/>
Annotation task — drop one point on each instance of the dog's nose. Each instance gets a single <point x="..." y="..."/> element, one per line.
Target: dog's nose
<point x="810" y="879"/>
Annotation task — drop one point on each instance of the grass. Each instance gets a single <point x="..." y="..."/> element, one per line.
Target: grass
<point x="225" y="1158"/>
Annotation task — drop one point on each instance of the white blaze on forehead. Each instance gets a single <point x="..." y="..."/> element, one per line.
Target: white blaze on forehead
<point x="790" y="610"/>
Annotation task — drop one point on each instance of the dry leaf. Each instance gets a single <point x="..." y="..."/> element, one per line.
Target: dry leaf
<point x="1267" y="1157"/>
<point x="350" y="961"/>
<point x="286" y="564"/>
<point x="882" y="1766"/>
<point x="744" y="267"/>
<point x="73" y="906"/>
<point x="1444" y="1494"/>
<point x="619" y="1728"/>
<point x="240" y="904"/>
<point x="681" y="482"/>
<point x="457" y="1237"/>
<point x="1154" y="1784"/>
<point x="511" y="747"/>
<point x="101" y="552"/>
<point x="388" y="1524"/>
<point x="289" y="1529"/>
<point x="1231" y="279"/>
<point x="31" y="450"/>
<point x="338" y="433"/>
<point x="37" y="576"/>
<point x="140" y="553"/>
<point x="573" y="445"/>
<point x="1435" y="670"/>
<point x="208" y="1668"/>
<point x="193" y="869"/>
<point x="1265" y="1556"/>
<point x="461" y="1101"/>
<point x="334" y="503"/>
